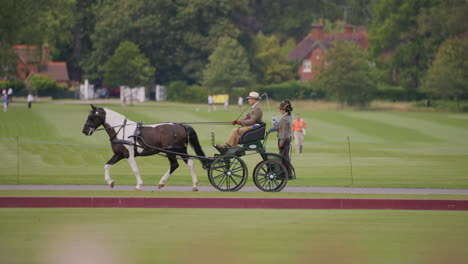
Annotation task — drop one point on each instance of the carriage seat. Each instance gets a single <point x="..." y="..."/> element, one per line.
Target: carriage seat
<point x="254" y="134"/>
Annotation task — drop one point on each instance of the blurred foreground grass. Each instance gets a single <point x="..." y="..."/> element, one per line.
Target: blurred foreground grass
<point x="231" y="236"/>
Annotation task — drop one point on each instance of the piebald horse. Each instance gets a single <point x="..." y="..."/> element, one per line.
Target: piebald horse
<point x="130" y="139"/>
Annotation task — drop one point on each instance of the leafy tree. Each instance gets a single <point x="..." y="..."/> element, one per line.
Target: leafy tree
<point x="409" y="33"/>
<point x="177" y="36"/>
<point x="360" y="12"/>
<point x="128" y="67"/>
<point x="346" y="74"/>
<point x="270" y="58"/>
<point x="19" y="24"/>
<point x="395" y="30"/>
<point x="448" y="75"/>
<point x="443" y="20"/>
<point x="7" y="62"/>
<point x="228" y="67"/>
<point x="288" y="18"/>
<point x="71" y="23"/>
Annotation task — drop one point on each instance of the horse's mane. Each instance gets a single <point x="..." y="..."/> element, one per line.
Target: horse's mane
<point x="117" y="115"/>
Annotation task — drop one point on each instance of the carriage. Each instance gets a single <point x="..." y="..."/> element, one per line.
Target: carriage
<point x="226" y="170"/>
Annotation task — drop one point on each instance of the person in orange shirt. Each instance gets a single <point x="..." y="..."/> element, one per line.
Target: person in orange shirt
<point x="298" y="128"/>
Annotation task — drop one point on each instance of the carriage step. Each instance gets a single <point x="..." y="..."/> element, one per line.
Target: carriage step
<point x="237" y="151"/>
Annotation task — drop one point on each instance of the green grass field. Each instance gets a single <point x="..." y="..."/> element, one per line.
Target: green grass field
<point x="388" y="149"/>
<point x="231" y="236"/>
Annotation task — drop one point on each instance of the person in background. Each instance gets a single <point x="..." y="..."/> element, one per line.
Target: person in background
<point x="226" y="105"/>
<point x="253" y="119"/>
<point x="5" y="102"/>
<point x="10" y="95"/>
<point x="30" y="100"/>
<point x="210" y="102"/>
<point x="298" y="127"/>
<point x="284" y="132"/>
<point x="240" y="102"/>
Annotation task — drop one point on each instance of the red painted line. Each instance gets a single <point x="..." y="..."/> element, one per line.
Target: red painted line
<point x="244" y="203"/>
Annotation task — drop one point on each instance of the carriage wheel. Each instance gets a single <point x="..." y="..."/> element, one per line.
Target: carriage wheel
<point x="228" y="173"/>
<point x="270" y="176"/>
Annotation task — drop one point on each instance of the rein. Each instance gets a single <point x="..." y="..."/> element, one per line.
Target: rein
<point x="210" y="123"/>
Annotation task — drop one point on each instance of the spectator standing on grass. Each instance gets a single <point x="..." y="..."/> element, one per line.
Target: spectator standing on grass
<point x="240" y="102"/>
<point x="298" y="127"/>
<point x="210" y="103"/>
<point x="226" y="104"/>
<point x="30" y="100"/>
<point x="10" y="94"/>
<point x="5" y="102"/>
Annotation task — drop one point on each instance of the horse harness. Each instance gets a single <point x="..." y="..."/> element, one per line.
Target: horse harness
<point x="137" y="136"/>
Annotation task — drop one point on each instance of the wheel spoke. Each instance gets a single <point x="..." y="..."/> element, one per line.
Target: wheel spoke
<point x="219" y="175"/>
<point x="237" y="175"/>
<point x="232" y="179"/>
<point x="266" y="183"/>
<point x="277" y="183"/>
<point x="262" y="180"/>
<point x="220" y="183"/>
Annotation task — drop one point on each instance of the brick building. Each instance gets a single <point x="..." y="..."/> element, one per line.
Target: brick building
<point x="31" y="61"/>
<point x="309" y="52"/>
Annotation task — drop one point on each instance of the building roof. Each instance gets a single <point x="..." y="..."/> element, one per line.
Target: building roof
<point x="55" y="70"/>
<point x="325" y="41"/>
<point x="28" y="54"/>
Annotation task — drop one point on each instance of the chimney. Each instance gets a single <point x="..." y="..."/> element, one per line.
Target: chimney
<point x="348" y="29"/>
<point x="317" y="32"/>
<point x="45" y="54"/>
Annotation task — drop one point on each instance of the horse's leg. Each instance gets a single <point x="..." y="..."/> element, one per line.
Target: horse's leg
<point x="174" y="165"/>
<point x="191" y="167"/>
<point x="132" y="162"/>
<point x="111" y="162"/>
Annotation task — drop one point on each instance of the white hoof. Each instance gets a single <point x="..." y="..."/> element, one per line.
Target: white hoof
<point x="137" y="189"/>
<point x="194" y="189"/>
<point x="111" y="184"/>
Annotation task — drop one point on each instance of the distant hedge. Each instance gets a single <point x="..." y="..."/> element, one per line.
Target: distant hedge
<point x="291" y="90"/>
<point x="395" y="93"/>
<point x="182" y="92"/>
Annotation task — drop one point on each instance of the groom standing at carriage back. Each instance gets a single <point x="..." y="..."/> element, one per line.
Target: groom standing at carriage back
<point x="253" y="119"/>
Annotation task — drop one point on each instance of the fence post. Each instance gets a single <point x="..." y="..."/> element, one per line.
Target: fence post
<point x="350" y="162"/>
<point x="17" y="160"/>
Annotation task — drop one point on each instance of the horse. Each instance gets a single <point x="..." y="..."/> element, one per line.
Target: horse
<point x="131" y="139"/>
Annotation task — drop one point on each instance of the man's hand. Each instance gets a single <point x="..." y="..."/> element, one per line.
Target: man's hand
<point x="236" y="122"/>
<point x="281" y="145"/>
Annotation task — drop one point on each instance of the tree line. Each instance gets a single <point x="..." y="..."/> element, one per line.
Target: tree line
<point x="415" y="46"/>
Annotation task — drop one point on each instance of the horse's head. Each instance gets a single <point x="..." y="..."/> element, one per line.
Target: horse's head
<point x="96" y="117"/>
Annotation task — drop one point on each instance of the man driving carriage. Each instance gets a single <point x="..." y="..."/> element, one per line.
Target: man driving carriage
<point x="252" y="120"/>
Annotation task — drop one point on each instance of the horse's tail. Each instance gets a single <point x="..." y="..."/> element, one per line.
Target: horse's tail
<point x="193" y="140"/>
